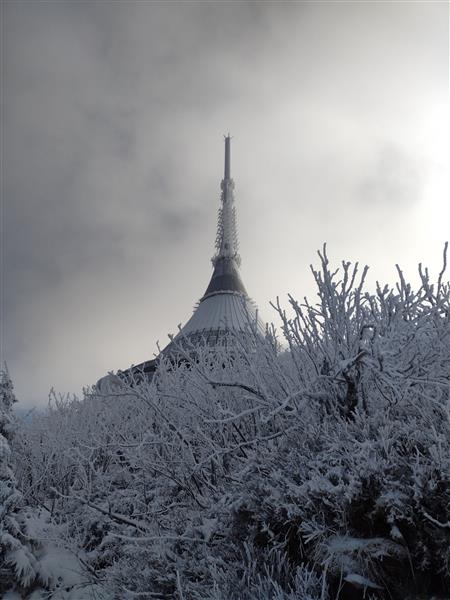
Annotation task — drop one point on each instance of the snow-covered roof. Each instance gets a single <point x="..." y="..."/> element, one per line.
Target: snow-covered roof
<point x="225" y="311"/>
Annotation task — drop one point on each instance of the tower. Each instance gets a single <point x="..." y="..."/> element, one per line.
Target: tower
<point x="225" y="307"/>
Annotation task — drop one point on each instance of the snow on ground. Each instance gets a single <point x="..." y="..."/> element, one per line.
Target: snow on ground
<point x="61" y="568"/>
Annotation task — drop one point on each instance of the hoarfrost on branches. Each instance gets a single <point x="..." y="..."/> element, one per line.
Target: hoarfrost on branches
<point x="18" y="564"/>
<point x="315" y="469"/>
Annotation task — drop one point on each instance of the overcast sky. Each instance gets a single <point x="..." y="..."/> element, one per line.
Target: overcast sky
<point x="113" y="153"/>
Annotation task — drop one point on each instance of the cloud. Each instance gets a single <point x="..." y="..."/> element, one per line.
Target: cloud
<point x="396" y="180"/>
<point x="113" y="155"/>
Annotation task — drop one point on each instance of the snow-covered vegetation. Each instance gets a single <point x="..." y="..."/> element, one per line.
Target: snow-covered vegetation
<point x="314" y="466"/>
<point x="18" y="562"/>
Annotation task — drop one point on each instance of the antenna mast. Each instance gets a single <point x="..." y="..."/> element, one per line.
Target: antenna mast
<point x="226" y="239"/>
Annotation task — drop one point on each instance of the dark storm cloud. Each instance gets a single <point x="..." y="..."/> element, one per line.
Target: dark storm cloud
<point x="113" y="119"/>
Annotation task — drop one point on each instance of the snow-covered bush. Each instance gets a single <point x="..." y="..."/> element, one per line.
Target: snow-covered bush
<point x="18" y="565"/>
<point x="316" y="469"/>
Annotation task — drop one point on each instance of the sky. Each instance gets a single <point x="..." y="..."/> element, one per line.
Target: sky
<point x="112" y="155"/>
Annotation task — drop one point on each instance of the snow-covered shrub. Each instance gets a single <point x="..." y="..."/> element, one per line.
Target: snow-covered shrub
<point x="18" y="565"/>
<point x="321" y="470"/>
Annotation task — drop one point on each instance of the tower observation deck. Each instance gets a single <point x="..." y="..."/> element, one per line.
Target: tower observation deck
<point x="225" y="307"/>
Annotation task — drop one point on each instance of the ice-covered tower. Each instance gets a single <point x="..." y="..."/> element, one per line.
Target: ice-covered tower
<point x="225" y="306"/>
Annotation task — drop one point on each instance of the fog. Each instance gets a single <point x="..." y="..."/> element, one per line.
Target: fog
<point x="113" y="154"/>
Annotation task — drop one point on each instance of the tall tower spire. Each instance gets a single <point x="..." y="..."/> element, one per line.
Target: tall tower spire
<point x="226" y="238"/>
<point x="225" y="307"/>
